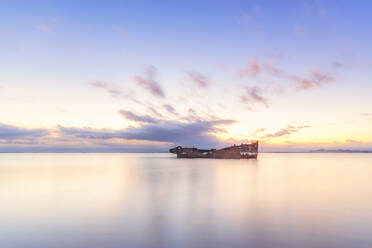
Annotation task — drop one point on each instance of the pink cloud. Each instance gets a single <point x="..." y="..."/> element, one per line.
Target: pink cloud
<point x="252" y="69"/>
<point x="315" y="79"/>
<point x="254" y="95"/>
<point x="199" y="79"/>
<point x="272" y="70"/>
<point x="322" y="77"/>
<point x="148" y="82"/>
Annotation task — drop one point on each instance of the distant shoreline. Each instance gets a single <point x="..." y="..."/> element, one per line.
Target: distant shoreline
<point x="339" y="151"/>
<point x="131" y="152"/>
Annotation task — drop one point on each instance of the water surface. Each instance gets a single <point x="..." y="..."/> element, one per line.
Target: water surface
<point x="156" y="200"/>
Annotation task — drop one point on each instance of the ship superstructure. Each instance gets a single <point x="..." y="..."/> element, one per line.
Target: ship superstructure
<point x="243" y="151"/>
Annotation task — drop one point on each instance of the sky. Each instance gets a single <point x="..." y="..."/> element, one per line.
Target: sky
<point x="142" y="76"/>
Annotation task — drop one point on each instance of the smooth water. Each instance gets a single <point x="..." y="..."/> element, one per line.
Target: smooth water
<point x="156" y="200"/>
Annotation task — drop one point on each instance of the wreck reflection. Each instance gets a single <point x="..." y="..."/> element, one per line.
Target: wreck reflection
<point x="156" y="200"/>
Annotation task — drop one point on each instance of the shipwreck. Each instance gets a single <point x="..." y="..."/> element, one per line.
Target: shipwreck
<point x="243" y="151"/>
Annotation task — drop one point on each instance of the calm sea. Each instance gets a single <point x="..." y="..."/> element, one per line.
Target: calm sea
<point x="156" y="200"/>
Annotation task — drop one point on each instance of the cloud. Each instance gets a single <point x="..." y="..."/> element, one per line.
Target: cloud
<point x="192" y="115"/>
<point x="257" y="132"/>
<point x="170" y="109"/>
<point x="99" y="84"/>
<point x="111" y="89"/>
<point x="252" y="69"/>
<point x="149" y="137"/>
<point x="193" y="133"/>
<point x="153" y="111"/>
<point x="149" y="83"/>
<point x="303" y="83"/>
<point x="315" y="79"/>
<point x="272" y="70"/>
<point x="138" y="118"/>
<point x="197" y="133"/>
<point x="285" y="131"/>
<point x="114" y="90"/>
<point x="89" y="133"/>
<point x="275" y="81"/>
<point x="322" y="77"/>
<point x="254" y="95"/>
<point x="9" y="132"/>
<point x="199" y="79"/>
<point x="312" y="79"/>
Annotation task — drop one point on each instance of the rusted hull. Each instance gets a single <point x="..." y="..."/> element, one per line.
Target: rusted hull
<point x="219" y="157"/>
<point x="243" y="151"/>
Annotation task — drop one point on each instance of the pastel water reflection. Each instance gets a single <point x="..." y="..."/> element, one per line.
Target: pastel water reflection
<point x="155" y="200"/>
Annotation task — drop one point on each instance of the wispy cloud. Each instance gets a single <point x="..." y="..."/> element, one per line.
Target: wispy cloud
<point x="315" y="79"/>
<point x="114" y="90"/>
<point x="149" y="83"/>
<point x="276" y="81"/>
<point x="169" y="108"/>
<point x="272" y="70"/>
<point x="254" y="95"/>
<point x="193" y="115"/>
<point x="138" y="118"/>
<point x="252" y="69"/>
<point x="285" y="131"/>
<point x="199" y="79"/>
<point x="153" y="111"/>
<point x="312" y="79"/>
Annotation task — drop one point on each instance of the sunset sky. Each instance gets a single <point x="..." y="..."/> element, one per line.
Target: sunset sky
<point x="149" y="75"/>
